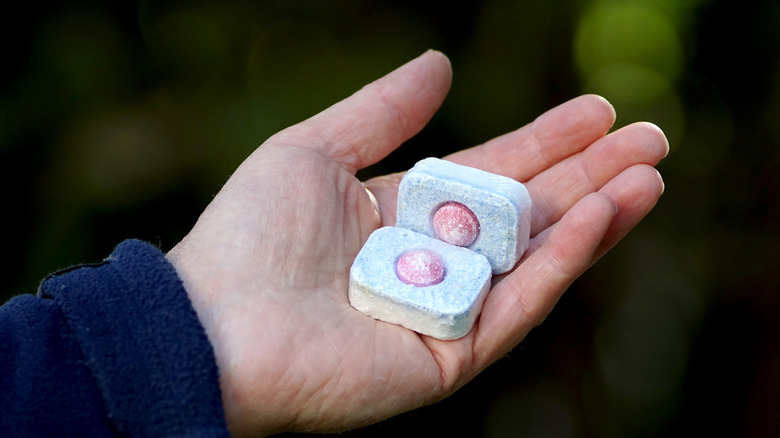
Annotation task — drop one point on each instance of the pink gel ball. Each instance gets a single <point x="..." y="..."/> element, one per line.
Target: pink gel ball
<point x="420" y="268"/>
<point x="455" y="224"/>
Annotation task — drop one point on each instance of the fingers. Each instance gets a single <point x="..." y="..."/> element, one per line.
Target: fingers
<point x="371" y="123"/>
<point x="560" y="254"/>
<point x="635" y="191"/>
<point x="553" y="136"/>
<point x="526" y="296"/>
<point x="555" y="190"/>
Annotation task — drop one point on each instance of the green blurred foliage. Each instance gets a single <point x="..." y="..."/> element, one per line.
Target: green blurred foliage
<point x="123" y="119"/>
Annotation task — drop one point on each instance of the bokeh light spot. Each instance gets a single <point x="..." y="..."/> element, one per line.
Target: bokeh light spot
<point x="627" y="33"/>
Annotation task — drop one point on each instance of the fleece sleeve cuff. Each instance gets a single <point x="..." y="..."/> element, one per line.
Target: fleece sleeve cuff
<point x="143" y="343"/>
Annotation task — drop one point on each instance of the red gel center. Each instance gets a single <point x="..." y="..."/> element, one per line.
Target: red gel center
<point x="456" y="224"/>
<point x="420" y="268"/>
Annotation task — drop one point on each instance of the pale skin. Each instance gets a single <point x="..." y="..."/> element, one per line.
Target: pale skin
<point x="267" y="263"/>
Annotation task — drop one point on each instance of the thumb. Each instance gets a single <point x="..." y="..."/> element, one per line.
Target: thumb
<point x="365" y="127"/>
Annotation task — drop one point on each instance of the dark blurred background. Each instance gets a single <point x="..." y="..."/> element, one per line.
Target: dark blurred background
<point x="123" y="119"/>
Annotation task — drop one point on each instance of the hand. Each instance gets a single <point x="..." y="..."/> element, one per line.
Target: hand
<point x="267" y="264"/>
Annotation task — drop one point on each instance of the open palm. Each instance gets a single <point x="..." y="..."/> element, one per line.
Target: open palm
<point x="267" y="264"/>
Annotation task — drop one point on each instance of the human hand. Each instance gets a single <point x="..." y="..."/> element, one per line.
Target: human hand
<point x="267" y="263"/>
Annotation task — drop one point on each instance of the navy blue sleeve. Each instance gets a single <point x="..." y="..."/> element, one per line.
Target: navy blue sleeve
<point x="113" y="349"/>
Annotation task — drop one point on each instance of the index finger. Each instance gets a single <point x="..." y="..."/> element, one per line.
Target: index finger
<point x="558" y="133"/>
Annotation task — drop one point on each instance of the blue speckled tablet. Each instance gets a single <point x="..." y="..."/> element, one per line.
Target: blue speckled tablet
<point x="501" y="205"/>
<point x="445" y="310"/>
